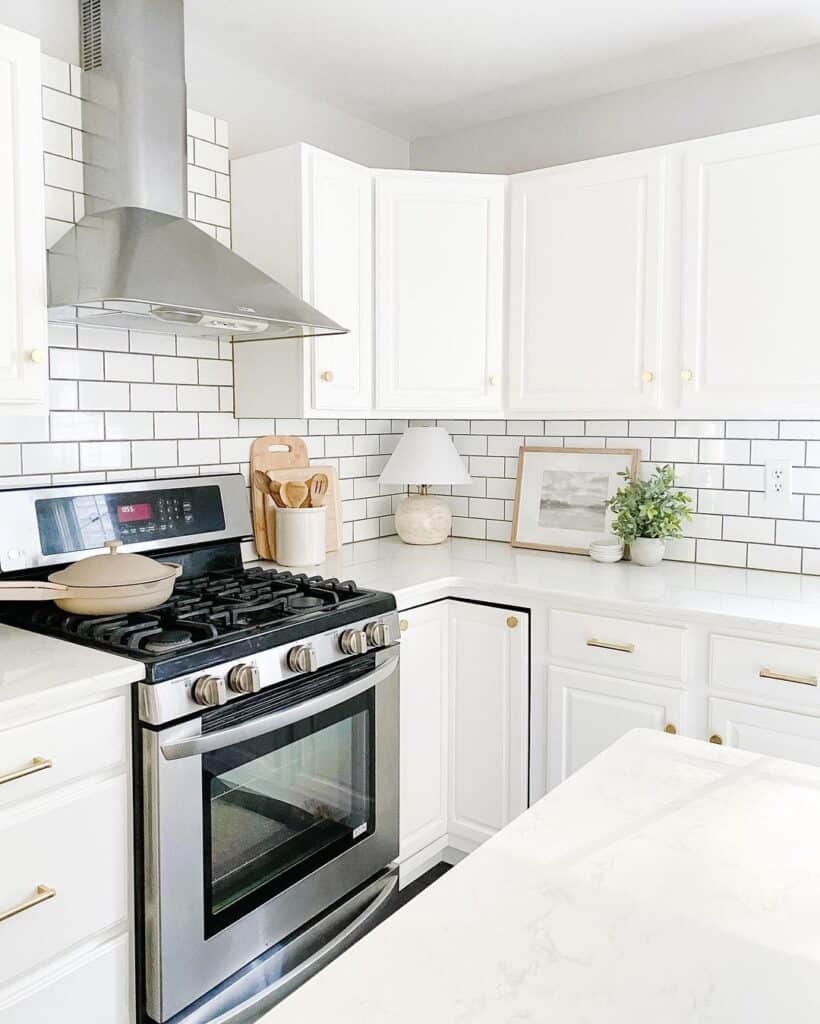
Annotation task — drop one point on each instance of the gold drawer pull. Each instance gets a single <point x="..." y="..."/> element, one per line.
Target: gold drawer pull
<point x="784" y="677"/>
<point x="404" y="625"/>
<point x="38" y="764"/>
<point x="670" y="729"/>
<point x="609" y="646"/>
<point x="714" y="738"/>
<point x="44" y="893"/>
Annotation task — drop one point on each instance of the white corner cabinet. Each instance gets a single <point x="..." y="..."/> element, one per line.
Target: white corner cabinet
<point x="432" y="298"/>
<point x="464" y="727"/>
<point x="675" y="281"/>
<point x="66" y="866"/>
<point x="23" y="331"/>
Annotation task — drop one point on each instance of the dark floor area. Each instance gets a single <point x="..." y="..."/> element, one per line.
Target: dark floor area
<point x="421" y="883"/>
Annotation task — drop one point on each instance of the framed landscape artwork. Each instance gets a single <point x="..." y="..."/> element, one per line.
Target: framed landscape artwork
<point x="561" y="493"/>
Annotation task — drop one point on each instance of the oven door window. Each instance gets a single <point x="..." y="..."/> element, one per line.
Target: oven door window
<point x="280" y="805"/>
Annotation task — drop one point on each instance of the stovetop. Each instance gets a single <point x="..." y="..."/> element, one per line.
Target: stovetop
<point x="213" y="617"/>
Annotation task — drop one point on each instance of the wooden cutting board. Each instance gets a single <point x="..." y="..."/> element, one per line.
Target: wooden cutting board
<point x="276" y="452"/>
<point x="333" y="501"/>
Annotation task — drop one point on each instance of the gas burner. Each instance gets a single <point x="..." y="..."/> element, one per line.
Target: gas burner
<point x="167" y="640"/>
<point x="304" y="601"/>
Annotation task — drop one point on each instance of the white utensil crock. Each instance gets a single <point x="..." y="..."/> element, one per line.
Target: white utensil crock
<point x="300" y="536"/>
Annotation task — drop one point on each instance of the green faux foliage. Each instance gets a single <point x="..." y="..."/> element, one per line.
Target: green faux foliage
<point x="649" y="508"/>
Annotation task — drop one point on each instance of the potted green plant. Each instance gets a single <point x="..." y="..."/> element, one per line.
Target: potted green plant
<point x="647" y="512"/>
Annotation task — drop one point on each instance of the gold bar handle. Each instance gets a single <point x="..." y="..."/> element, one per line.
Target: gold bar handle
<point x="38" y="764"/>
<point x="610" y="646"/>
<point x="44" y="893"/>
<point x="784" y="677"/>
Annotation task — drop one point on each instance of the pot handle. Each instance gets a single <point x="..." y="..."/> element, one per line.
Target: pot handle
<point x="176" y="567"/>
<point x="30" y="590"/>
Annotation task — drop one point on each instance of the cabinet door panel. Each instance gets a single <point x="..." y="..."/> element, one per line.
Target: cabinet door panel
<point x="766" y="730"/>
<point x="586" y="259"/>
<point x="488" y="719"/>
<point x="439" y="282"/>
<point x="751" y="252"/>
<point x="338" y="278"/>
<point x="423" y="789"/>
<point x="588" y="713"/>
<point x="23" y="338"/>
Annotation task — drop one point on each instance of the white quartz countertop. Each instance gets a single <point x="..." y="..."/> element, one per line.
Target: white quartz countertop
<point x="500" y="573"/>
<point x="669" y="880"/>
<point x="38" y="672"/>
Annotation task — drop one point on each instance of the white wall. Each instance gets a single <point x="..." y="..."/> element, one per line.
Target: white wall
<point x="742" y="95"/>
<point x="264" y="114"/>
<point x="54" y="22"/>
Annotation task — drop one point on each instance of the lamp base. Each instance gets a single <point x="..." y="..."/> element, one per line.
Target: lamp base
<point x="423" y="519"/>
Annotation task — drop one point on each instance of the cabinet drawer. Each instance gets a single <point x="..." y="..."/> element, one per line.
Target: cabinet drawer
<point x="618" y="644"/>
<point x="95" y="991"/>
<point x="765" y="730"/>
<point x="780" y="672"/>
<point x="66" y="747"/>
<point x="78" y="848"/>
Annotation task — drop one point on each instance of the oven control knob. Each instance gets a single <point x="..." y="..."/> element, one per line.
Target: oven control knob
<point x="353" y="641"/>
<point x="210" y="691"/>
<point x="302" y="659"/>
<point x="378" y="634"/>
<point x="244" y="679"/>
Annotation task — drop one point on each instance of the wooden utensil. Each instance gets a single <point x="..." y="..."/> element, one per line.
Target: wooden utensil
<point x="318" y="489"/>
<point x="294" y="493"/>
<point x="272" y="452"/>
<point x="333" y="503"/>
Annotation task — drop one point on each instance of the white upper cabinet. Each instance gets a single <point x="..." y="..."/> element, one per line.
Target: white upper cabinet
<point x="586" y="286"/>
<point x="305" y="217"/>
<point x="23" y="332"/>
<point x="439" y="291"/>
<point x="751" y="319"/>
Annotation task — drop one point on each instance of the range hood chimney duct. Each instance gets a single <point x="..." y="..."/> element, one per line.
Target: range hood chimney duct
<point x="135" y="261"/>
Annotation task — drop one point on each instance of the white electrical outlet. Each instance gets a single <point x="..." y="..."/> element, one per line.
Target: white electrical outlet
<point x="778" y="485"/>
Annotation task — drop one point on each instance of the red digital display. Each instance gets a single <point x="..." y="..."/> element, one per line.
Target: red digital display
<point x="134" y="513"/>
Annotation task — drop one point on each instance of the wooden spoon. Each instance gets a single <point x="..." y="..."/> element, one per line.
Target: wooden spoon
<point x="318" y="489"/>
<point x="294" y="493"/>
<point x="268" y="487"/>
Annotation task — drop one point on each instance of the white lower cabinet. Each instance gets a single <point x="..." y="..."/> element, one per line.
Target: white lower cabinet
<point x="424" y="728"/>
<point x="764" y="730"/>
<point x="587" y="713"/>
<point x="489" y="709"/>
<point x="65" y="867"/>
<point x="95" y="990"/>
<point x="464" y="727"/>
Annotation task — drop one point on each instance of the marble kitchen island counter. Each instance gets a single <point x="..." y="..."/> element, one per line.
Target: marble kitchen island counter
<point x="669" y="881"/>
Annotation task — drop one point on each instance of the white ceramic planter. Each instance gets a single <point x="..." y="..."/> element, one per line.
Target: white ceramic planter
<point x="647" y="550"/>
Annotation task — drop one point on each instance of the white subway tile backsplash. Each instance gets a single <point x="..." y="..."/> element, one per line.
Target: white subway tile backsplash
<point x="721" y="552"/>
<point x="798" y="534"/>
<point x="76" y="364"/>
<point x="201" y="348"/>
<point x="734" y="451"/>
<point x="753" y="429"/>
<point x="10" y="460"/>
<point x="97" y="395"/>
<point x="794" y="451"/>
<point x="77" y="426"/>
<point x="700" y="428"/>
<point x="51" y="458"/>
<point x="156" y="397"/>
<point x="174" y="370"/>
<point x="776" y="559"/>
<point x="54" y="73"/>
<point x="675" y="450"/>
<point x="208" y="155"/>
<point x="129" y="426"/>
<point x="154" y="344"/>
<point x="176" y="425"/>
<point x="106" y="455"/>
<point x="761" y="531"/>
<point x="102" y="338"/>
<point x="154" y="453"/>
<point x="215" y="371"/>
<point x="128" y="367"/>
<point x="198" y="399"/>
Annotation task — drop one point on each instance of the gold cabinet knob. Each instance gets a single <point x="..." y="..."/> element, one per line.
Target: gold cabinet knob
<point x="493" y="381"/>
<point x="404" y="625"/>
<point x="647" y="376"/>
<point x="670" y="729"/>
<point x="714" y="738"/>
<point x="512" y="621"/>
<point x="686" y="375"/>
<point x="326" y="376"/>
<point x="37" y="355"/>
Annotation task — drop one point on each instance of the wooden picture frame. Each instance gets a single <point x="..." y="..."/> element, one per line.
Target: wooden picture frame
<point x="544" y="525"/>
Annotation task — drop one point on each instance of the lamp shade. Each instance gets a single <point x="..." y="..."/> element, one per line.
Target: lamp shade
<point x="425" y="455"/>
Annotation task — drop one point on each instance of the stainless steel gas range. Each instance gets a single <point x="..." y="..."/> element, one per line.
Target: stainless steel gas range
<point x="266" y="742"/>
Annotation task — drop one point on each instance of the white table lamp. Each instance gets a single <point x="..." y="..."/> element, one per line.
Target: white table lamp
<point x="423" y="457"/>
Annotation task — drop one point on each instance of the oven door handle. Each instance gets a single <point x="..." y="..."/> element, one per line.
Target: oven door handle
<point x="197" y="745"/>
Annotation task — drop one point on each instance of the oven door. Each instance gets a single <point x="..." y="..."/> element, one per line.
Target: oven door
<point x="259" y="816"/>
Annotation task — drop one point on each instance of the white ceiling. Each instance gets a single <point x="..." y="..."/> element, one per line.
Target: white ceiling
<point x="424" y="67"/>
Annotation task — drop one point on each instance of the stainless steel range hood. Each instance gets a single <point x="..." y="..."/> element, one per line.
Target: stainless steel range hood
<point x="135" y="261"/>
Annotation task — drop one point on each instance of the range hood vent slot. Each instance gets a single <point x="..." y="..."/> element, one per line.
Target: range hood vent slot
<point x="90" y="34"/>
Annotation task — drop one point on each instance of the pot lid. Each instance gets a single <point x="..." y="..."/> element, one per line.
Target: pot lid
<point x="113" y="570"/>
